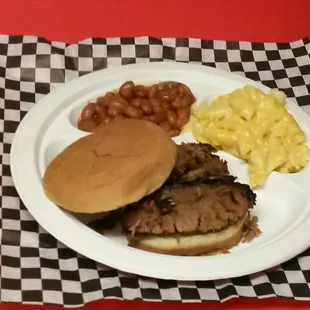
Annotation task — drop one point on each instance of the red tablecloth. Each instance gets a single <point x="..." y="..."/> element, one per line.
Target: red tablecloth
<point x="259" y="20"/>
<point x="263" y="20"/>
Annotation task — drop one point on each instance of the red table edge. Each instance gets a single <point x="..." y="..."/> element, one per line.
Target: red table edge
<point x="263" y="21"/>
<point x="233" y="304"/>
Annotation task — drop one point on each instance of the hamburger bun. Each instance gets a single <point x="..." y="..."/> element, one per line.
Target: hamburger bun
<point x="192" y="244"/>
<point x="114" y="166"/>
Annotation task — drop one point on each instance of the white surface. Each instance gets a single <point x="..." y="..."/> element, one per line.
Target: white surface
<point x="282" y="206"/>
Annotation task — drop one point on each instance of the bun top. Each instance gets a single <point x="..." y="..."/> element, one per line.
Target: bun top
<point x="114" y="166"/>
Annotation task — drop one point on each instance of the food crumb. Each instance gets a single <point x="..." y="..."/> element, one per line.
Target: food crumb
<point x="251" y="230"/>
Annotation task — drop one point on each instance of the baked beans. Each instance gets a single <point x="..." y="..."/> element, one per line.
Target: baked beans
<point x="167" y="104"/>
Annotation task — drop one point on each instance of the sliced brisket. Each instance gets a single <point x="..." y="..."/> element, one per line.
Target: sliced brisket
<point x="197" y="161"/>
<point x="190" y="208"/>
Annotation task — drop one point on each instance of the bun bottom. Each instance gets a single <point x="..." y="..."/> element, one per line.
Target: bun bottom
<point x="192" y="245"/>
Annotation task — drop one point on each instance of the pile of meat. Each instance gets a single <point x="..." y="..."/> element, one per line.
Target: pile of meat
<point x="200" y="196"/>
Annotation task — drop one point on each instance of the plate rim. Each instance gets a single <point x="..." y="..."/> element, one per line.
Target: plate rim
<point x="17" y="163"/>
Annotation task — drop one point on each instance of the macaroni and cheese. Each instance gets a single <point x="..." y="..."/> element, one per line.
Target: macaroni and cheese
<point x="255" y="127"/>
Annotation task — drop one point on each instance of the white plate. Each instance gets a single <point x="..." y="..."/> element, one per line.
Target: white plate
<point x="282" y="206"/>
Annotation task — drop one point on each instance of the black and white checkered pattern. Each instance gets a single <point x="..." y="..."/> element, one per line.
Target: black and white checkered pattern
<point x="36" y="268"/>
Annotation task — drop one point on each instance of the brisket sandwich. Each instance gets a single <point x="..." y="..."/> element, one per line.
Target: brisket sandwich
<point x="170" y="199"/>
<point x="200" y="208"/>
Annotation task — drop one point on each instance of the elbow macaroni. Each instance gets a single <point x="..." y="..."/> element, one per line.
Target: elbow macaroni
<point x="254" y="127"/>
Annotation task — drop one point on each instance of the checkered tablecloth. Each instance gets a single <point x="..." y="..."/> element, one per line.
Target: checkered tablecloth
<point x="36" y="268"/>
